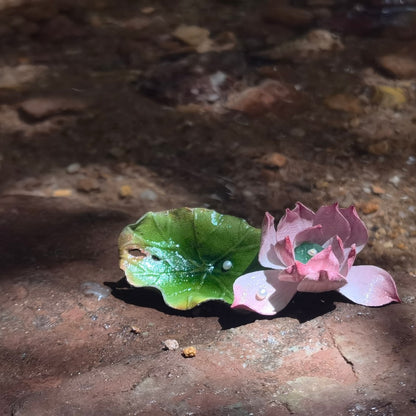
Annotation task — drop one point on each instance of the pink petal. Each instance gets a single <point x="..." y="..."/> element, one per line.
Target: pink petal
<point x="348" y="260"/>
<point x="284" y="251"/>
<point x="323" y="261"/>
<point x="323" y="284"/>
<point x="338" y="249"/>
<point x="267" y="254"/>
<point x="359" y="234"/>
<point x="311" y="235"/>
<point x="294" y="221"/>
<point x="333" y="222"/>
<point x="370" y="286"/>
<point x="262" y="292"/>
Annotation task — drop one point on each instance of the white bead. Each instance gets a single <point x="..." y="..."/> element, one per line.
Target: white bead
<point x="227" y="265"/>
<point x="312" y="251"/>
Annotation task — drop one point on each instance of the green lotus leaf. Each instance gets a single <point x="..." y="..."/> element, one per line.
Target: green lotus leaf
<point x="190" y="255"/>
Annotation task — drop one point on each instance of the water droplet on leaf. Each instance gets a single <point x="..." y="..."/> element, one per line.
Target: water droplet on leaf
<point x="227" y="265"/>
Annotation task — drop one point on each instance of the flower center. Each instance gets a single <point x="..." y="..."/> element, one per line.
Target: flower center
<point x="306" y="251"/>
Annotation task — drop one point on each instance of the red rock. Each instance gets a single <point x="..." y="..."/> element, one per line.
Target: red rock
<point x="344" y="102"/>
<point x="274" y="160"/>
<point x="270" y="95"/>
<point x="400" y="66"/>
<point x="41" y="108"/>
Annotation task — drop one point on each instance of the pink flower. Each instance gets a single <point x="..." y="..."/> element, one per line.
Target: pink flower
<point x="312" y="252"/>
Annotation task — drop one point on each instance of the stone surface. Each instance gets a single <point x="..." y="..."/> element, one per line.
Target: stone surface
<point x="288" y="16"/>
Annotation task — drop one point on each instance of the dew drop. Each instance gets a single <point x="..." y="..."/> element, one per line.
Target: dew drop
<point x="312" y="252"/>
<point x="227" y="265"/>
<point x="261" y="294"/>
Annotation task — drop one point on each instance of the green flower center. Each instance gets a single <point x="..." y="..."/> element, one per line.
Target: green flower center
<point x="306" y="251"/>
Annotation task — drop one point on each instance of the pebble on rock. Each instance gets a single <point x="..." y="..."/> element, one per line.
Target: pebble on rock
<point x="73" y="168"/>
<point x="88" y="185"/>
<point x="189" y="352"/>
<point x="170" y="344"/>
<point x="369" y="207"/>
<point x="258" y="100"/>
<point x="14" y="77"/>
<point x="148" y="195"/>
<point x="273" y="160"/>
<point x="125" y="191"/>
<point x="389" y="97"/>
<point x="37" y="109"/>
<point x="400" y="66"/>
<point x="377" y="190"/>
<point x="344" y="102"/>
<point x="62" y="193"/>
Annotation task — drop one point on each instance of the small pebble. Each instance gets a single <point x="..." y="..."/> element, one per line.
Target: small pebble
<point x="148" y="195"/>
<point x="125" y="191"/>
<point x="369" y="207"/>
<point x="189" y="352"/>
<point x="395" y="180"/>
<point x="73" y="168"/>
<point x="274" y="160"/>
<point x="411" y="160"/>
<point x="170" y="344"/>
<point x="135" y="329"/>
<point x="148" y="10"/>
<point x="62" y="193"/>
<point x="88" y="185"/>
<point x="377" y="190"/>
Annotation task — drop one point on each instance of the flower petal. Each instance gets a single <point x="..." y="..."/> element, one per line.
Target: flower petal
<point x="323" y="284"/>
<point x="350" y="255"/>
<point x="294" y="221"/>
<point x="370" y="286"/>
<point x="338" y="249"/>
<point x="324" y="261"/>
<point x="312" y="235"/>
<point x="262" y="292"/>
<point x="267" y="254"/>
<point x="333" y="222"/>
<point x="284" y="251"/>
<point x="359" y="234"/>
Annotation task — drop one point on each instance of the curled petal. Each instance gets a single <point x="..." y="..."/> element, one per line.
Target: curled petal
<point x="333" y="222"/>
<point x="359" y="234"/>
<point x="284" y="251"/>
<point x="338" y="249"/>
<point x="370" y="286"/>
<point x="294" y="221"/>
<point x="349" y="259"/>
<point x="263" y="292"/>
<point x="267" y="254"/>
<point x="313" y="235"/>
